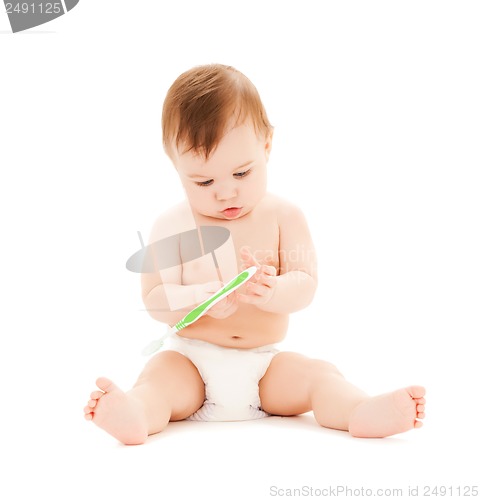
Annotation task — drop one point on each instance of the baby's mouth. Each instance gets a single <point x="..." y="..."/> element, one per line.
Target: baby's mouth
<point x="232" y="212"/>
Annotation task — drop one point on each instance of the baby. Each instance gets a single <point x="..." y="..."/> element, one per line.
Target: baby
<point x="227" y="365"/>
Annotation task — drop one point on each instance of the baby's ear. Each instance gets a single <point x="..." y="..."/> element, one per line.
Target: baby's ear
<point x="268" y="143"/>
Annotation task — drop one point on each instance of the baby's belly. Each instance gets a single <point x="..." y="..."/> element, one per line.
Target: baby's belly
<point x="249" y="327"/>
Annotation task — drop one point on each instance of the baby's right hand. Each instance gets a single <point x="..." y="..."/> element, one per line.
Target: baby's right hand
<point x="222" y="309"/>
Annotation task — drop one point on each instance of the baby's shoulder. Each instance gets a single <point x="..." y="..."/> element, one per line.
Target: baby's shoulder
<point x="284" y="209"/>
<point x="176" y="219"/>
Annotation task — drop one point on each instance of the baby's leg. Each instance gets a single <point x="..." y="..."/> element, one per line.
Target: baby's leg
<point x="169" y="388"/>
<point x="389" y="413"/>
<point x="295" y="384"/>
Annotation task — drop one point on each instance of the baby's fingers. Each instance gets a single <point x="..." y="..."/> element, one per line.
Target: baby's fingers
<point x="267" y="270"/>
<point x="257" y="289"/>
<point x="261" y="296"/>
<point x="224" y="308"/>
<point x="248" y="257"/>
<point x="264" y="280"/>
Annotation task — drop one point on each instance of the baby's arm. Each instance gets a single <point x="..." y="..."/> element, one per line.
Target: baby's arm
<point x="165" y="296"/>
<point x="166" y="310"/>
<point x="169" y="302"/>
<point x="294" y="286"/>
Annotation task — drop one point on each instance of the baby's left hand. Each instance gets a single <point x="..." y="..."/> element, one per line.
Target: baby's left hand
<point x="260" y="289"/>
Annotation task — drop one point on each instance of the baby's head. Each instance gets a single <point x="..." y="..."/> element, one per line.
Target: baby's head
<point x="204" y="103"/>
<point x="217" y="134"/>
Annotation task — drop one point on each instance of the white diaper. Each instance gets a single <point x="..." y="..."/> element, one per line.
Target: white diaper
<point x="230" y="375"/>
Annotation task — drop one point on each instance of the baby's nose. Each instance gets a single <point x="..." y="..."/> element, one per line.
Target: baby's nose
<point x="225" y="193"/>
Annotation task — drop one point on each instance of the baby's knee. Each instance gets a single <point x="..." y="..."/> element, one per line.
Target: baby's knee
<point x="324" y="368"/>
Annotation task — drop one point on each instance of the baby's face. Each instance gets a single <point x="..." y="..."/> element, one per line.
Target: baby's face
<point x="234" y="178"/>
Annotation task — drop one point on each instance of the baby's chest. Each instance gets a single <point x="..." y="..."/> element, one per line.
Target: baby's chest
<point x="261" y="239"/>
<point x="263" y="242"/>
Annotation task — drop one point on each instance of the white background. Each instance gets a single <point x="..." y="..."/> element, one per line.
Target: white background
<point x="376" y="111"/>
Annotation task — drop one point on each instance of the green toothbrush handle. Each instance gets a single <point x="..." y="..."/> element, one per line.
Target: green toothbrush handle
<point x="192" y="316"/>
<point x="224" y="291"/>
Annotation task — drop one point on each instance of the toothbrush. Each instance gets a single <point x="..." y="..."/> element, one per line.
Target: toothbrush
<point x="201" y="309"/>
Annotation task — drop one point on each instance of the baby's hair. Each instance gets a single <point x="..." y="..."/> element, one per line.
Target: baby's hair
<point x="203" y="102"/>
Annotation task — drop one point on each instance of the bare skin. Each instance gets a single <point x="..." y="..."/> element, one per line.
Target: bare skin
<point x="286" y="390"/>
<point x="273" y="235"/>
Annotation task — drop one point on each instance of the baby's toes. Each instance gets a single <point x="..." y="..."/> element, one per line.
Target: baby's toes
<point x="96" y="394"/>
<point x="88" y="412"/>
<point x="417" y="391"/>
<point x="92" y="403"/>
<point x="421" y="410"/>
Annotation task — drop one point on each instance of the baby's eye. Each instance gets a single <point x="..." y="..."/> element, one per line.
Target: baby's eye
<point x="242" y="174"/>
<point x="204" y="183"/>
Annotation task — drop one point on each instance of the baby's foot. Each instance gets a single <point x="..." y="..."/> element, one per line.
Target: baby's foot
<point x="389" y="414"/>
<point x="117" y="413"/>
